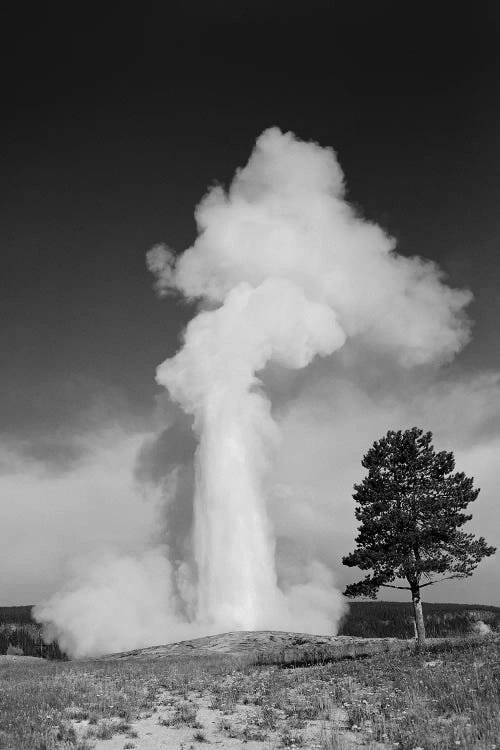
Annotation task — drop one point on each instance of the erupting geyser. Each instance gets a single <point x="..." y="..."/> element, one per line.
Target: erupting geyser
<point x="287" y="271"/>
<point x="213" y="377"/>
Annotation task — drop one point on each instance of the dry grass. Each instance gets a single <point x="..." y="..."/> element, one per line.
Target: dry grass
<point x="40" y="699"/>
<point x="447" y="698"/>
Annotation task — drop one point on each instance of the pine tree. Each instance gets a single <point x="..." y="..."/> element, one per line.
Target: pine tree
<point x="410" y="508"/>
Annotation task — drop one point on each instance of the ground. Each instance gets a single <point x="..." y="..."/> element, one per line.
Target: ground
<point x="227" y="693"/>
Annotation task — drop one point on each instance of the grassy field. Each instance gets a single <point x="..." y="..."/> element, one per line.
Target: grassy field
<point x="448" y="697"/>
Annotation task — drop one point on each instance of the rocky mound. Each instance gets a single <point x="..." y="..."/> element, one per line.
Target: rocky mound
<point x="287" y="646"/>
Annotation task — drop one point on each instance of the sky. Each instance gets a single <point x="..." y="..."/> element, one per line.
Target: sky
<point x="114" y="126"/>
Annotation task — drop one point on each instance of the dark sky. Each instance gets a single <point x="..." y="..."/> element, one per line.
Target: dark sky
<point x="116" y="121"/>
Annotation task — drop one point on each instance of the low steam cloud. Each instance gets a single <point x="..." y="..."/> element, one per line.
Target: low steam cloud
<point x="296" y="293"/>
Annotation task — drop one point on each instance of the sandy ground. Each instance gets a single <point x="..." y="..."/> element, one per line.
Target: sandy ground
<point x="226" y="731"/>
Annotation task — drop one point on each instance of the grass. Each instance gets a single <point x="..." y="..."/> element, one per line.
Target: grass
<point x="447" y="697"/>
<point x="38" y="699"/>
<point x="301" y="654"/>
<point x="184" y="715"/>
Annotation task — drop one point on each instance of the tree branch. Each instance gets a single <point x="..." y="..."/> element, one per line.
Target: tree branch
<point x="388" y="586"/>
<point x="431" y="583"/>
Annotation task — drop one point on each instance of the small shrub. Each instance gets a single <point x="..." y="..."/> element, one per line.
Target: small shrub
<point x="251" y="733"/>
<point x="199" y="737"/>
<point x="296" y="722"/>
<point x="66" y="733"/>
<point x="75" y="713"/>
<point x="267" y="716"/>
<point x="226" y="726"/>
<point x="291" y="739"/>
<point x="103" y="730"/>
<point x="122" y="727"/>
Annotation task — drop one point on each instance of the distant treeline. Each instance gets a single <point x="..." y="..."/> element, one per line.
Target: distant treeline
<point x="377" y="619"/>
<point x="16" y="615"/>
<point x="20" y="634"/>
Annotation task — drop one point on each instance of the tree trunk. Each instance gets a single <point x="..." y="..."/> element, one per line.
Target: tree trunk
<point x="419" y="617"/>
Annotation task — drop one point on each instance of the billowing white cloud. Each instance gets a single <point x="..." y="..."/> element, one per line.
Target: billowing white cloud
<point x="50" y="518"/>
<point x="285" y="217"/>
<point x="115" y="603"/>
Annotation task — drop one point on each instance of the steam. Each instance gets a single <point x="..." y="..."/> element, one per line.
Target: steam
<point x="293" y="287"/>
<point x="482" y="628"/>
<point x="131" y="603"/>
<point x="289" y="272"/>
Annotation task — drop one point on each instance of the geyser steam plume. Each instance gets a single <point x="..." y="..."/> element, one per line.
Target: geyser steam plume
<point x="285" y="271"/>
